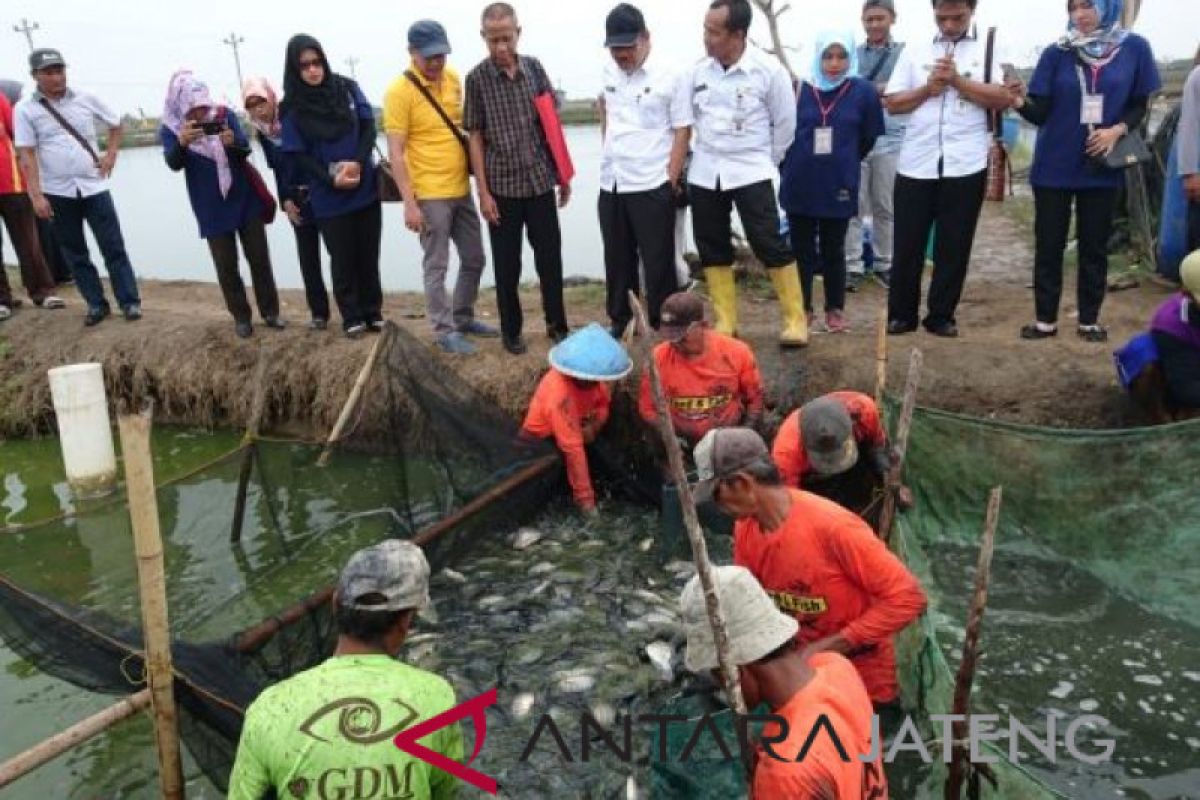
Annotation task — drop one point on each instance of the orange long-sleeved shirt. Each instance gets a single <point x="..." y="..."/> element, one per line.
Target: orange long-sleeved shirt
<point x="716" y="389"/>
<point x="561" y="408"/>
<point x="826" y="567"/>
<point x="837" y="693"/>
<point x="11" y="180"/>
<point x="788" y="450"/>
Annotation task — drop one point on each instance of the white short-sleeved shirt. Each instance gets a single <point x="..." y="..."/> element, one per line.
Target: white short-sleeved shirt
<point x="642" y="112"/>
<point x="745" y="120"/>
<point x="66" y="168"/>
<point x="946" y="130"/>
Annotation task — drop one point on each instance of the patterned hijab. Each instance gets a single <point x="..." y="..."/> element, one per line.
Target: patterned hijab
<point x="185" y="93"/>
<point x="261" y="88"/>
<point x="1101" y="44"/>
<point x="825" y="40"/>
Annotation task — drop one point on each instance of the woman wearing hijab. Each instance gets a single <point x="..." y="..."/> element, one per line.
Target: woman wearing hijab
<point x="262" y="105"/>
<point x="1088" y="91"/>
<point x="205" y="141"/>
<point x="329" y="126"/>
<point x="838" y="119"/>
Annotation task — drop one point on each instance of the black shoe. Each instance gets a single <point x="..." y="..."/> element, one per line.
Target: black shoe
<point x="1092" y="333"/>
<point x="556" y="333"/>
<point x="94" y="316"/>
<point x="132" y="312"/>
<point x="318" y="324"/>
<point x="356" y="330"/>
<point x="275" y="322"/>
<point x="515" y="345"/>
<point x="947" y="330"/>
<point x="1032" y="331"/>
<point x="899" y="327"/>
<point x="243" y="329"/>
<point x="374" y="325"/>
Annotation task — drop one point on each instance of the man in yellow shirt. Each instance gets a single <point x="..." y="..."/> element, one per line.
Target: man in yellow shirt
<point x="422" y="115"/>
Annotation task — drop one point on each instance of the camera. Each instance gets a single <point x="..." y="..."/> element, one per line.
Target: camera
<point x="213" y="128"/>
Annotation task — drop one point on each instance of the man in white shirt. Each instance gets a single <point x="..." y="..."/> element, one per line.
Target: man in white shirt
<point x="68" y="180"/>
<point x="647" y="118"/>
<point x="942" y="172"/>
<point x="745" y="119"/>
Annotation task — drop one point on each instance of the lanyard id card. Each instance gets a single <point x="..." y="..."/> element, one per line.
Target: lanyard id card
<point x="823" y="141"/>
<point x="1092" y="110"/>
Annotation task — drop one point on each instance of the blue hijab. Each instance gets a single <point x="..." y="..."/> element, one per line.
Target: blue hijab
<point x="1099" y="45"/>
<point x="825" y="40"/>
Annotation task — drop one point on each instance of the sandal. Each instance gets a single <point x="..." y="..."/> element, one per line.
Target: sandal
<point x="1036" y="331"/>
<point x="1092" y="333"/>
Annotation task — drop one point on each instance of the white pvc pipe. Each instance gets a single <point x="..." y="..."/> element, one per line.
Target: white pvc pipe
<point x="84" y="430"/>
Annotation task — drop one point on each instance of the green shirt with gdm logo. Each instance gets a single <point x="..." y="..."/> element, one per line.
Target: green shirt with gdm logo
<point x="327" y="733"/>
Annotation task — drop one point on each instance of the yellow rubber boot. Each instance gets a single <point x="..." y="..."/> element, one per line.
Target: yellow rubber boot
<point x="791" y="306"/>
<point x="723" y="292"/>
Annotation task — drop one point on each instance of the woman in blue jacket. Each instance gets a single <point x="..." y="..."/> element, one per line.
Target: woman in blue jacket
<point x="1088" y="91"/>
<point x="838" y="118"/>
<point x="262" y="105"/>
<point x="329" y="126"/>
<point x="205" y="141"/>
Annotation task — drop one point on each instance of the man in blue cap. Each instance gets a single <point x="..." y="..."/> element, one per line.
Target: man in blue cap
<point x="422" y="115"/>
<point x="572" y="402"/>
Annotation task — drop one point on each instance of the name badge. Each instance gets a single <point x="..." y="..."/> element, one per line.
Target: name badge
<point x="823" y="141"/>
<point x="1092" y="109"/>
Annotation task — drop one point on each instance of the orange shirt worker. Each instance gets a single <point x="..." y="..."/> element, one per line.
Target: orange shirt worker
<point x="710" y="380"/>
<point x="572" y="401"/>
<point x="819" y="562"/>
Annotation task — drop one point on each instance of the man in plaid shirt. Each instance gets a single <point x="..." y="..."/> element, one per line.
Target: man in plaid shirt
<point x="514" y="173"/>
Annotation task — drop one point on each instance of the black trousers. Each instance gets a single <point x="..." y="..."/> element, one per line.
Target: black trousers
<point x="537" y="218"/>
<point x="1193" y="227"/>
<point x="631" y="224"/>
<point x="1051" y="225"/>
<point x="225" y="258"/>
<point x="954" y="204"/>
<point x="308" y="249"/>
<point x="711" y="210"/>
<point x="353" y="244"/>
<point x="821" y="242"/>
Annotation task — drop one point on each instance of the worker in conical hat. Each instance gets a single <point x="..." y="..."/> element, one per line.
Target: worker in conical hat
<point x="572" y="402"/>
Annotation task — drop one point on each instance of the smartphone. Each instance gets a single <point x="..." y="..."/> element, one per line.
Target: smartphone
<point x="1010" y="72"/>
<point x="213" y="128"/>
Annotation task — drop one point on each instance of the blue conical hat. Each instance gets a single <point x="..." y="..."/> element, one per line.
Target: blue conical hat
<point x="591" y="354"/>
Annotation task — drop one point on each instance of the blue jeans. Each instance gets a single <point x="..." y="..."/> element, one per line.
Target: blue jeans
<point x="101" y="216"/>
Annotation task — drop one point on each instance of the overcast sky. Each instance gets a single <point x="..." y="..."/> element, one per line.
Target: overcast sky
<point x="126" y="50"/>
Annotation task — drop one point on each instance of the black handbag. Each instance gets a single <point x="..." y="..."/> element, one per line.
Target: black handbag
<point x="1129" y="151"/>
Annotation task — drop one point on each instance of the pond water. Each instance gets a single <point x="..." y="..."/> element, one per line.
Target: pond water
<point x="561" y="617"/>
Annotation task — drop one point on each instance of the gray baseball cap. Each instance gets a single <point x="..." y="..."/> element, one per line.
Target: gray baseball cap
<point x="755" y="626"/>
<point x="721" y="453"/>
<point x="395" y="570"/>
<point x="428" y="38"/>
<point x="828" y="433"/>
<point x="45" y="57"/>
<point x="886" y="5"/>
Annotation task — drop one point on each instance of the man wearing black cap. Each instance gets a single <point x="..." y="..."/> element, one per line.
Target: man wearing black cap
<point x="68" y="180"/>
<point x="422" y="114"/>
<point x="646" y="124"/>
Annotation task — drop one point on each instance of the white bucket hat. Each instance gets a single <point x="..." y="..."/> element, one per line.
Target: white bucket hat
<point x="756" y="627"/>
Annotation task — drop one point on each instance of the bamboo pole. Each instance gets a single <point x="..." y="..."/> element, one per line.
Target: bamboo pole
<point x="887" y="515"/>
<point x="355" y="393"/>
<point x="881" y="357"/>
<point x="252" y="638"/>
<point x="250" y="444"/>
<point x="54" y="746"/>
<point x="960" y="754"/>
<point x="147" y="540"/>
<point x="691" y="521"/>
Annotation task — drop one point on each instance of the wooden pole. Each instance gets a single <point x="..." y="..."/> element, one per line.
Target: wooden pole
<point x="249" y="444"/>
<point x="54" y="746"/>
<point x="960" y="754"/>
<point x="691" y="521"/>
<point x="152" y="586"/>
<point x="355" y="393"/>
<point x="887" y="515"/>
<point x="881" y="357"/>
<point x="251" y="639"/>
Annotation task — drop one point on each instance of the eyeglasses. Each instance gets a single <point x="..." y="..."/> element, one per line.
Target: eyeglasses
<point x="310" y="63"/>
